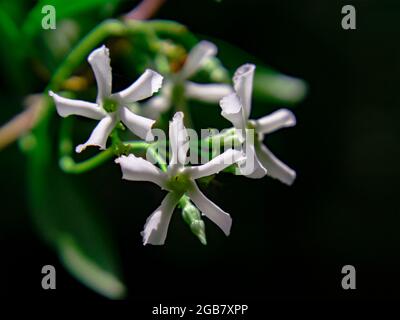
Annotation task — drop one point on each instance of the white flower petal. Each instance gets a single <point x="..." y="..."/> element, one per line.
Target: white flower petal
<point x="99" y="59"/>
<point x="139" y="125"/>
<point x="251" y="167"/>
<point x="155" y="106"/>
<point x="156" y="227"/>
<point x="213" y="92"/>
<point x="216" y="165"/>
<point x="138" y="169"/>
<point x="144" y="87"/>
<point x="196" y="58"/>
<point x="178" y="138"/>
<point x="276" y="168"/>
<point x="100" y="134"/>
<point x="243" y="84"/>
<point x="159" y="104"/>
<point x="279" y="119"/>
<point x="66" y="107"/>
<point x="208" y="208"/>
<point x="232" y="110"/>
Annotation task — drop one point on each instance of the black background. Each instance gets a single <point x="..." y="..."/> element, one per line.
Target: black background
<point x="286" y="242"/>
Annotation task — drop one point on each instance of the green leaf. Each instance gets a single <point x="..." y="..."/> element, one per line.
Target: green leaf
<point x="68" y="222"/>
<point x="64" y="9"/>
<point x="277" y="88"/>
<point x="60" y="210"/>
<point x="12" y="59"/>
<point x="270" y="85"/>
<point x="87" y="271"/>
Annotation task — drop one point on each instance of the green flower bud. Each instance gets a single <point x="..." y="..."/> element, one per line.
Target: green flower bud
<point x="192" y="217"/>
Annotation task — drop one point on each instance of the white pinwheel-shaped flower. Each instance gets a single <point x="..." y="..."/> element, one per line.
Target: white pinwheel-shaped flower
<point x="210" y="92"/>
<point x="178" y="180"/>
<point x="236" y="108"/>
<point x="110" y="108"/>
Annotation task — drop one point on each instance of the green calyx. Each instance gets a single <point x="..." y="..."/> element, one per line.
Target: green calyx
<point x="110" y="105"/>
<point x="179" y="182"/>
<point x="121" y="149"/>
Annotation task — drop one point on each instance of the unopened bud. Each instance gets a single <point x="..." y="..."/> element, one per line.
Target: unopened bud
<point x="192" y="217"/>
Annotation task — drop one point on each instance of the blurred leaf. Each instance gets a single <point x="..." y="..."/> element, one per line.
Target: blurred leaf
<point x="65" y="219"/>
<point x="11" y="59"/>
<point x="10" y="32"/>
<point x="89" y="272"/>
<point x="270" y="86"/>
<point x="64" y="9"/>
<point x="16" y="9"/>
<point x="277" y="88"/>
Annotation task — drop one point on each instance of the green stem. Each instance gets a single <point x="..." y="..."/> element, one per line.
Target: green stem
<point x="159" y="159"/>
<point x="68" y="164"/>
<point x="137" y="145"/>
<point x="220" y="137"/>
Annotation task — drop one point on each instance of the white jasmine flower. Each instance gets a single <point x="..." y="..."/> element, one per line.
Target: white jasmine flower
<point x="110" y="108"/>
<point x="178" y="180"/>
<point x="236" y="108"/>
<point x="210" y="92"/>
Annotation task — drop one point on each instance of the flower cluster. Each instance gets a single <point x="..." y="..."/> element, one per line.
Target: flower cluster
<point x="252" y="158"/>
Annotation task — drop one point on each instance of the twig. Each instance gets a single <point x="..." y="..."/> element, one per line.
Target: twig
<point x="22" y="122"/>
<point x="144" y="10"/>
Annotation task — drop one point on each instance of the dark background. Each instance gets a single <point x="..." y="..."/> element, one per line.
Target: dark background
<point x="286" y="242"/>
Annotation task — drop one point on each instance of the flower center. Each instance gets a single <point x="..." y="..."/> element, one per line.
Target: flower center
<point x="179" y="182"/>
<point x="110" y="105"/>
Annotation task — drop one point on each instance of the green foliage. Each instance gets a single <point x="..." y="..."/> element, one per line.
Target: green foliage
<point x="64" y="9"/>
<point x="24" y="39"/>
<point x="270" y="86"/>
<point x="73" y="227"/>
<point x="60" y="210"/>
<point x="69" y="222"/>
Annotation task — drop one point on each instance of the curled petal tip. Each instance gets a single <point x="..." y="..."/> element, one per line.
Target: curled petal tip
<point x="244" y="70"/>
<point x="178" y="115"/>
<point x="227" y="227"/>
<point x="120" y="159"/>
<point x="230" y="104"/>
<point x="290" y="180"/>
<point x="290" y="117"/>
<point x="281" y="118"/>
<point x="144" y="87"/>
<point x="156" y="80"/>
<point x="80" y="148"/>
<point x="95" y="53"/>
<point x="209" y="46"/>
